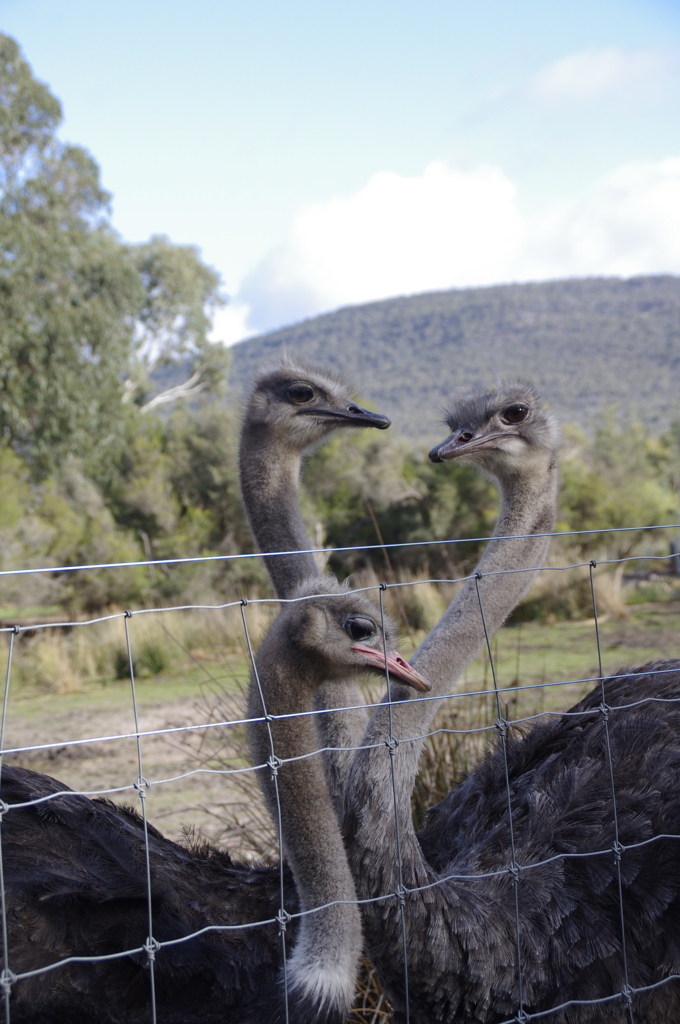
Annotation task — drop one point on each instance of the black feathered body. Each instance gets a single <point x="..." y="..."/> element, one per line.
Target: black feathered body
<point x="75" y="881"/>
<point x="462" y="933"/>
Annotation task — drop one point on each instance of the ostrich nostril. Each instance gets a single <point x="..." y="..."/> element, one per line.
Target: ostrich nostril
<point x="354" y="409"/>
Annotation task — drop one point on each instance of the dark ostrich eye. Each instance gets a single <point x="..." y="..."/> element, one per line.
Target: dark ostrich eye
<point x="301" y="393"/>
<point x="359" y="627"/>
<point x="515" y="413"/>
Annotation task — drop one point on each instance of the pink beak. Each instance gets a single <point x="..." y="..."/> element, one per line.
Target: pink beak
<point x="396" y="666"/>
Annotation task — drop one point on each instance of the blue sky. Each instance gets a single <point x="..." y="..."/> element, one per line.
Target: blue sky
<point x="323" y="153"/>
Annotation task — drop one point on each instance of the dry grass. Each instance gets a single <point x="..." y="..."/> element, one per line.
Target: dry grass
<point x="242" y="823"/>
<point x="372" y="1005"/>
<point x="65" y="659"/>
<point x="565" y="594"/>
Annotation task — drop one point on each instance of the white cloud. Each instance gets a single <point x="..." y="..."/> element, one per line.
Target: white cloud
<point x="592" y="73"/>
<point x="395" y="235"/>
<point x="230" y="324"/>
<point x="450" y="228"/>
<point x="628" y="223"/>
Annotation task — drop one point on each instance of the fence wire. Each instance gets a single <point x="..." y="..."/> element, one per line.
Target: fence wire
<point x="500" y="726"/>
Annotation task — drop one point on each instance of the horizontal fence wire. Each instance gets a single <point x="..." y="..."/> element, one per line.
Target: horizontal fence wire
<point x="495" y="727"/>
<point x="450" y="542"/>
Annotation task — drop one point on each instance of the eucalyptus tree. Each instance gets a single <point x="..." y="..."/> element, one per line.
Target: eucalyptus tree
<point x="83" y="316"/>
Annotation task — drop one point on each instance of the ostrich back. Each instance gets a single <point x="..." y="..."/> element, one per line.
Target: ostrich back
<point x="75" y="882"/>
<point x="567" y="877"/>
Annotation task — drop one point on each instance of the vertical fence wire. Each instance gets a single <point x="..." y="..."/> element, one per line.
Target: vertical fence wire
<point x="514" y="868"/>
<point x="274" y="763"/>
<point x="7" y="977"/>
<point x="617" y="848"/>
<point x="142" y="786"/>
<point x="392" y="745"/>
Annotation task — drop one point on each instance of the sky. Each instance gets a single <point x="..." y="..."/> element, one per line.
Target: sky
<point x="324" y="153"/>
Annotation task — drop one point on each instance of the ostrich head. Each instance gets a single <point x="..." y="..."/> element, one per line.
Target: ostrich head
<point x="330" y="632"/>
<point x="505" y="431"/>
<point x="300" y="405"/>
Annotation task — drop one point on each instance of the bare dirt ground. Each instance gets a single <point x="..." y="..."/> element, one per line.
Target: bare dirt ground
<point x="191" y="799"/>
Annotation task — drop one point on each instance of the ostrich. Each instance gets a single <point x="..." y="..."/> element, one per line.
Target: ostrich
<point x="503" y="921"/>
<point x="76" y="883"/>
<point x="292" y="408"/>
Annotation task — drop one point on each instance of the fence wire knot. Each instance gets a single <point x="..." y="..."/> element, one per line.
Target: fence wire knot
<point x="617" y="849"/>
<point x="283" y="917"/>
<point x="151" y="947"/>
<point x="16" y="630"/>
<point x="244" y="602"/>
<point x="478" y="575"/>
<point x="383" y="586"/>
<point x="593" y="563"/>
<point x="522" y="1017"/>
<point x="7" y="979"/>
<point x="142" y="785"/>
<point x="627" y="994"/>
<point x="514" y="871"/>
<point x="274" y="763"/>
<point x="127" y="613"/>
<point x="3" y="807"/>
<point x="604" y="711"/>
<point x="392" y="743"/>
<point x="401" y="892"/>
<point x="502" y="725"/>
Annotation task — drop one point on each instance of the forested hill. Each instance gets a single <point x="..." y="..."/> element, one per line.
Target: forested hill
<point x="589" y="344"/>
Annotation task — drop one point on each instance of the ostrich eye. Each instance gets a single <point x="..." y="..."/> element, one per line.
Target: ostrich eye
<point x="515" y="413"/>
<point x="301" y="393"/>
<point x="359" y="627"/>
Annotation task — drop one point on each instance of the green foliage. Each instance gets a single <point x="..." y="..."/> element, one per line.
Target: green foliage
<point x="366" y="489"/>
<point x="181" y="294"/>
<point x="202" y="446"/>
<point x="29" y="112"/>
<point x="63" y="521"/>
<point x="613" y="482"/>
<point x="172" y="492"/>
<point x="67" y="295"/>
<point x="82" y="315"/>
<point x="16" y="492"/>
<point x="154" y="658"/>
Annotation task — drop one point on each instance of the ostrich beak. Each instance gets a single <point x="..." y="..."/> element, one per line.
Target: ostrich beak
<point x="397" y="667"/>
<point x="351" y="416"/>
<point x="463" y="442"/>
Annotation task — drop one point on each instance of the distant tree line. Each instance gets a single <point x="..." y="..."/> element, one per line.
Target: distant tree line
<point x="171" y="491"/>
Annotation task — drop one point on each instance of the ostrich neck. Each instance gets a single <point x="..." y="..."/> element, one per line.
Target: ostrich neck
<point x="527" y="509"/>
<point x="270" y="487"/>
<point x="270" y="476"/>
<point x="508" y="568"/>
<point x="329" y="941"/>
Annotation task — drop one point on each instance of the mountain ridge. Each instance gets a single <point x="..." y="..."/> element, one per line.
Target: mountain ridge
<point x="588" y="343"/>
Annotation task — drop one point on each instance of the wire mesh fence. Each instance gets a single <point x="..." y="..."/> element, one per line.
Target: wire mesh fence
<point x="482" y="709"/>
